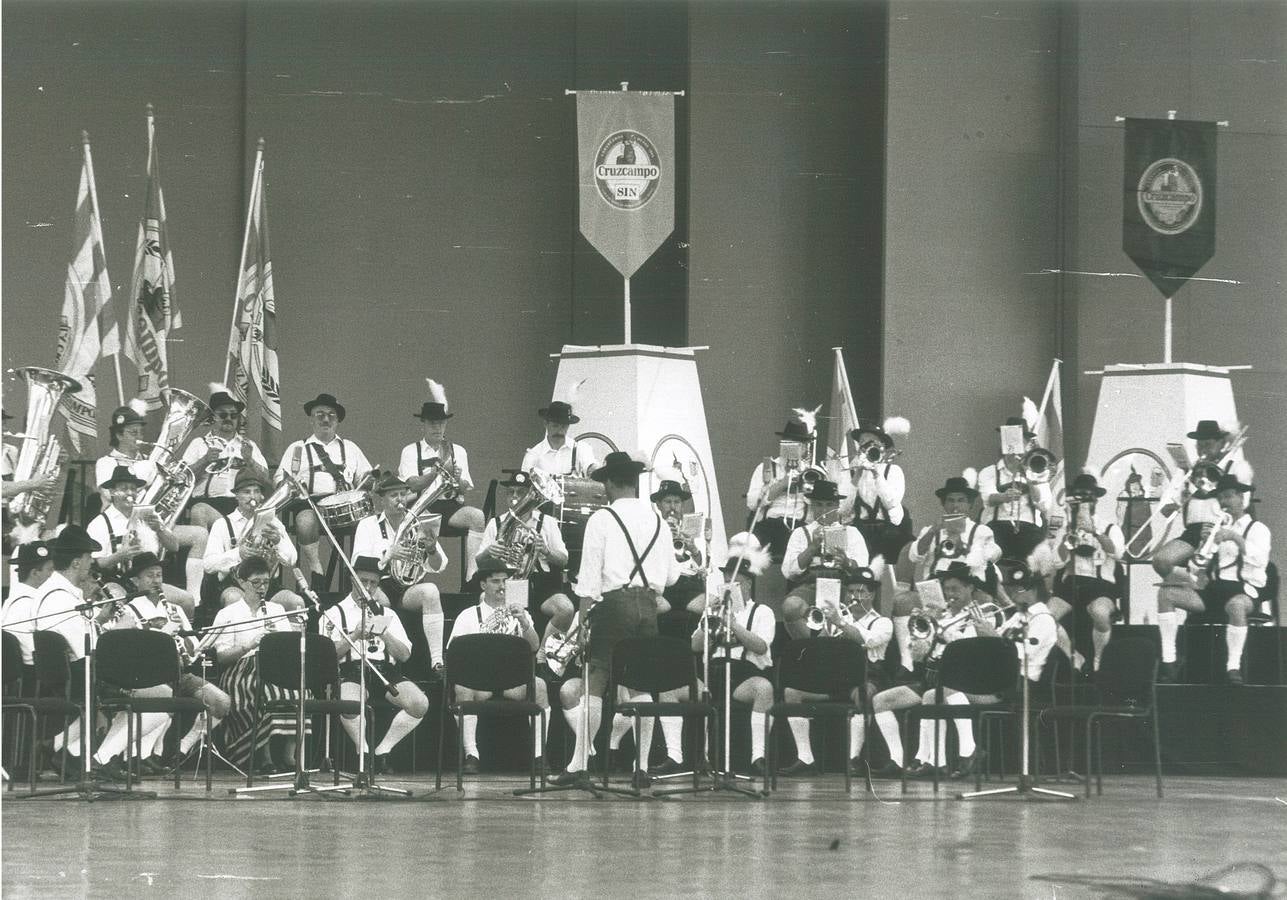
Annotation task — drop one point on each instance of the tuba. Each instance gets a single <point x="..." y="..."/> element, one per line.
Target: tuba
<point x="408" y="536"/>
<point x="170" y="488"/>
<point x="40" y="454"/>
<point x="516" y="540"/>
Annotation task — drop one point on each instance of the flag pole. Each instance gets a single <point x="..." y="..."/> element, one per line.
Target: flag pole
<point x="98" y="236"/>
<point x="1050" y="387"/>
<point x="849" y="394"/>
<point x="241" y="264"/>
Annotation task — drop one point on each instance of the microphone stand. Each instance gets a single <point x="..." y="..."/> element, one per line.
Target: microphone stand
<point x="1026" y="789"/>
<point x="205" y="746"/>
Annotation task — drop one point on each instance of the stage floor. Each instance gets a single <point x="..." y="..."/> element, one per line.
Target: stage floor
<point x="809" y="839"/>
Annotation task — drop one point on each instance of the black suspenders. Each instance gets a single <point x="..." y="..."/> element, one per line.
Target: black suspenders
<point x="639" y="560"/>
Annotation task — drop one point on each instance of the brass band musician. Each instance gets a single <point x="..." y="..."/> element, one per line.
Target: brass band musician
<point x="1088" y="556"/>
<point x="547" y="549"/>
<point x="219" y="456"/>
<point x="778" y="485"/>
<point x="555" y="453"/>
<point x="877" y="488"/>
<point x="669" y="498"/>
<point x="1015" y="505"/>
<point x="819" y="547"/>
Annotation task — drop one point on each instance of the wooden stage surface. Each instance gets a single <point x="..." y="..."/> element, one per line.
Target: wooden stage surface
<point x="809" y="839"/>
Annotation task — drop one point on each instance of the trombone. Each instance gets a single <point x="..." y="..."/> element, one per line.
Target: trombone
<point x="923" y="627"/>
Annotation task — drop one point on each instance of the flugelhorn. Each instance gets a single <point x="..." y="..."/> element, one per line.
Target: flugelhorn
<point x="40" y="454"/>
<point x="1204" y="553"/>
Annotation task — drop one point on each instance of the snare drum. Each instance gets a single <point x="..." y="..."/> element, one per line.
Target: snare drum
<point x="344" y="509"/>
<point x="581" y="497"/>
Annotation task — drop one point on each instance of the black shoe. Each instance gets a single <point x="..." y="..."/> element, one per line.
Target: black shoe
<point x="153" y="765"/>
<point x="640" y="780"/>
<point x="1168" y="673"/>
<point x="890" y="769"/>
<point x="380" y="764"/>
<point x="538" y="765"/>
<point x="566" y="777"/>
<point x="1234" y="676"/>
<point x="471" y="767"/>
<point x="925" y="770"/>
<point x="857" y="767"/>
<point x="799" y="768"/>
<point x="112" y="770"/>
<point x="437" y="672"/>
<point x="971" y="765"/>
<point x="669" y="767"/>
<point x="758" y="767"/>
<point x="622" y="761"/>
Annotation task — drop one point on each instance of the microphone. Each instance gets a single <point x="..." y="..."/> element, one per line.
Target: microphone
<point x="302" y="583"/>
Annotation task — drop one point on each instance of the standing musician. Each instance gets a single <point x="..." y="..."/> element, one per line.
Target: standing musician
<point x="625" y="567"/>
<point x="863" y="625"/>
<point x="669" y="498"/>
<point x="777" y="483"/>
<point x="878" y="486"/>
<point x="125" y="434"/>
<point x="494" y="615"/>
<point x="10" y="488"/>
<point x="419" y="461"/>
<point x="148" y="608"/>
<point x="236" y="645"/>
<point x="1015" y="506"/>
<point x="555" y="453"/>
<point x="387" y="646"/>
<point x="374" y="538"/>
<point x="232" y="540"/>
<point x="546" y="591"/>
<point x="35" y="564"/>
<point x="325" y="463"/>
<point x="1230" y="572"/>
<point x="1088" y="556"/>
<point x="819" y="547"/>
<point x="122" y="535"/>
<point x="218" y="457"/>
<point x="1201" y="509"/>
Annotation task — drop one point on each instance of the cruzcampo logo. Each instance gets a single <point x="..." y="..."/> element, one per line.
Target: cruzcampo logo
<point x="1170" y="196"/>
<point x="627" y="170"/>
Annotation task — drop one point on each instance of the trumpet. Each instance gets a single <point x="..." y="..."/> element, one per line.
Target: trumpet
<point x="874" y="453"/>
<point x="1202" y="556"/>
<point x="924" y="627"/>
<point x="816" y="620"/>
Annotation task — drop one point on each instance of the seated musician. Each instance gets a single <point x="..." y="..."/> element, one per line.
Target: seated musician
<point x="819" y="547"/>
<point x="495" y="615"/>
<point x="1229" y="574"/>
<point x="555" y="453"/>
<point x="148" y="608"/>
<point x="123" y="536"/>
<point x="238" y="629"/>
<point x="669" y="498"/>
<point x="1195" y="496"/>
<point x="387" y="647"/>
<point x="748" y="647"/>
<point x="1087" y="583"/>
<point x="777" y="488"/>
<point x="420" y="461"/>
<point x="35" y="564"/>
<point x="538" y="536"/>
<point x="1026" y="590"/>
<point x="1014" y="507"/>
<point x="960" y="587"/>
<point x="218" y="457"/>
<point x="325" y="464"/>
<point x="125" y="436"/>
<point x="862" y="624"/>
<point x="374" y="538"/>
<point x="877" y="488"/>
<point x="233" y="539"/>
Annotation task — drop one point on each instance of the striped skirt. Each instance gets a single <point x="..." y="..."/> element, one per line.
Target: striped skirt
<point x="241" y="682"/>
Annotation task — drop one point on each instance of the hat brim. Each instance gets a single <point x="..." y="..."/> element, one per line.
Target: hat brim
<point x="314" y="404"/>
<point x="835" y="498"/>
<point x="570" y="419"/>
<point x="800" y="438"/>
<point x="631" y="470"/>
<point x="656" y="496"/>
<point x="443" y="418"/>
<point x="1097" y="492"/>
<point x="1200" y="436"/>
<point x="885" y="439"/>
<point x="942" y="493"/>
<point x="226" y="401"/>
<point x="112" y="482"/>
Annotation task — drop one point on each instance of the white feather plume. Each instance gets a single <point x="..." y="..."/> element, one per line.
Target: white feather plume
<point x="1087" y="470"/>
<point x="808" y="417"/>
<point x="1030" y="414"/>
<point x="138" y="405"/>
<point x="217" y="388"/>
<point x="971" y="476"/>
<point x="877" y="566"/>
<point x="1043" y="560"/>
<point x="437" y="393"/>
<point x="747" y="546"/>
<point x="1242" y="470"/>
<point x="897" y="426"/>
<point x="575" y="389"/>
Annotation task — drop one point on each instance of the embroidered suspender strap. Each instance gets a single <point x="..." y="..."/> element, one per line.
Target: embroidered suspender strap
<point x="232" y="535"/>
<point x="112" y="537"/>
<point x="639" y="560"/>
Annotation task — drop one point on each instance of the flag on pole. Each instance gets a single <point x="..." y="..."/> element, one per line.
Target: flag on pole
<point x="252" y="342"/>
<point x="87" y="329"/>
<point x="843" y="415"/>
<point x="153" y="312"/>
<point x="1048" y="422"/>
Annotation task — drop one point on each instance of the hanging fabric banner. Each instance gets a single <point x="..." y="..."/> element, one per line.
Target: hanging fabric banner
<point x="626" y="173"/>
<point x="1169" y="199"/>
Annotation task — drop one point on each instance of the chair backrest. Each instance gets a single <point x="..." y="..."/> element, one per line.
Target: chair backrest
<point x="979" y="665"/>
<point x="490" y="662"/>
<point x="278" y="661"/>
<point x="52" y="660"/>
<point x="1269" y="593"/>
<point x="677" y="624"/>
<point x="1128" y="671"/>
<point x="652" y="665"/>
<point x="831" y="666"/>
<point x="12" y="657"/>
<point x="131" y="658"/>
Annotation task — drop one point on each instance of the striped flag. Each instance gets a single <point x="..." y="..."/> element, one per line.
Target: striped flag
<point x="87" y="330"/>
<point x="252" y="342"/>
<point x="843" y="416"/>
<point x="153" y="311"/>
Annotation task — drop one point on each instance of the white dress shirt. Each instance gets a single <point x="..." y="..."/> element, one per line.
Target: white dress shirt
<point x="221" y="483"/>
<point x="303" y="459"/>
<point x="226" y="535"/>
<point x="760" y="621"/>
<point x="876" y="631"/>
<point x="1246" y="565"/>
<point x="21" y="606"/>
<point x="548" y="527"/>
<point x="243" y="633"/>
<point x="606" y="561"/>
<point x="855" y="549"/>
<point x="56" y="607"/>
<point x="976" y="547"/>
<point x="111" y="526"/>
<point x="787" y="505"/>
<point x="1043" y="631"/>
<point x="375" y="533"/>
<point x="559" y="462"/>
<point x="346" y="617"/>
<point x="472" y="619"/>
<point x="1103" y="564"/>
<point x="876" y="494"/>
<point x="410" y="464"/>
<point x="1033" y="507"/>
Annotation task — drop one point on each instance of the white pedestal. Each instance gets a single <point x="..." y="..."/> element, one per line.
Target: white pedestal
<point x="1141" y="409"/>
<point x="646" y="400"/>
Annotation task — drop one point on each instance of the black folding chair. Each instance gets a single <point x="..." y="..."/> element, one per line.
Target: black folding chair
<point x="277" y="666"/>
<point x="979" y="665"/>
<point x="653" y="666"/>
<point x="491" y="663"/>
<point x="830" y="666"/>
<point x="15" y="681"/>
<point x="129" y="659"/>
<point x="1055" y="685"/>
<point x="1127" y="686"/>
<point x="57" y="692"/>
